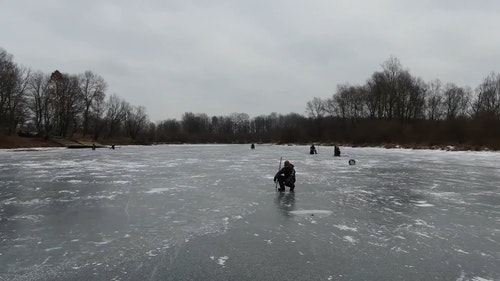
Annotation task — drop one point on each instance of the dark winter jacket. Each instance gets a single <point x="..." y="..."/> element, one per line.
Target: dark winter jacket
<point x="288" y="173"/>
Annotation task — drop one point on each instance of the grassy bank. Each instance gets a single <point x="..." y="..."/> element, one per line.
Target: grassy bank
<point x="14" y="141"/>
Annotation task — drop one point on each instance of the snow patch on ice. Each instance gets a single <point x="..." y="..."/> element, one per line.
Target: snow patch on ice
<point x="35" y="202"/>
<point x="100" y="243"/>
<point x="220" y="260"/>
<point x="121" y="182"/>
<point x="350" y="239"/>
<point x="98" y="197"/>
<point x="422" y="234"/>
<point x="462" y="276"/>
<point x="423" y="223"/>
<point x="74" y="181"/>
<point x="422" y="203"/>
<point x="346" y="228"/>
<point x="480" y="279"/>
<point x="158" y="190"/>
<point x="68" y="191"/>
<point x="151" y="253"/>
<point x="34" y="218"/>
<point x="461" y="251"/>
<point x="398" y="249"/>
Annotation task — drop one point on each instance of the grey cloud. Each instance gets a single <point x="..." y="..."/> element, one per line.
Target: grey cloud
<point x="255" y="57"/>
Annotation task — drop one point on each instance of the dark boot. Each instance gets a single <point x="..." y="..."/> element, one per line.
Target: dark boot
<point x="282" y="186"/>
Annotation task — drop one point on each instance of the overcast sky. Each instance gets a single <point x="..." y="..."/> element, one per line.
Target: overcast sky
<point x="255" y="56"/>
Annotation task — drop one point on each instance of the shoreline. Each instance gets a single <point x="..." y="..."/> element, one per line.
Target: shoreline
<point x="17" y="142"/>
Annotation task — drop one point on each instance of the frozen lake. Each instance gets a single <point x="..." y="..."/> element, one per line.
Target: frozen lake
<point x="211" y="212"/>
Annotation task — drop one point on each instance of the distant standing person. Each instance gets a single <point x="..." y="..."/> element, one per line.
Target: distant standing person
<point x="286" y="176"/>
<point x="313" y="150"/>
<point x="336" y="151"/>
<point x="252" y="146"/>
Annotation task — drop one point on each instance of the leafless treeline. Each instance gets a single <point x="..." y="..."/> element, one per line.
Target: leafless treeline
<point x="394" y="106"/>
<point x="394" y="93"/>
<point x="60" y="104"/>
<point x="391" y="107"/>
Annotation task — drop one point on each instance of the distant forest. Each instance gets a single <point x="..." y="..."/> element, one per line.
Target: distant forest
<point x="393" y="107"/>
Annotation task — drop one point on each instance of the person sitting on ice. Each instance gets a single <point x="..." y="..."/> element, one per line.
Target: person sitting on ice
<point x="313" y="150"/>
<point x="336" y="151"/>
<point x="286" y="176"/>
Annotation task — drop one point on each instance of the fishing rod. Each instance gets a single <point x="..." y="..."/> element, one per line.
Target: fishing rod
<point x="279" y="168"/>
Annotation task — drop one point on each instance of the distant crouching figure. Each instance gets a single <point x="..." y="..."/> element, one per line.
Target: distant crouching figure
<point x="313" y="150"/>
<point x="336" y="151"/>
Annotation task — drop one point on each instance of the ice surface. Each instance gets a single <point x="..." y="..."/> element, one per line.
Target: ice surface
<point x="211" y="212"/>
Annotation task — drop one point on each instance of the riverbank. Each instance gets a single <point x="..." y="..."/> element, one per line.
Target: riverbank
<point x="14" y="142"/>
<point x="7" y="142"/>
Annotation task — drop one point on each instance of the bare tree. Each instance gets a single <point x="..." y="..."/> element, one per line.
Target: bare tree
<point x="17" y="105"/>
<point x="435" y="100"/>
<point x="13" y="84"/>
<point x="222" y="125"/>
<point x="349" y="102"/>
<point x="488" y="96"/>
<point x="115" y="113"/>
<point x="136" y="121"/>
<point x="377" y="98"/>
<point x="395" y="93"/>
<point x="40" y="103"/>
<point x="391" y="76"/>
<point x="315" y="108"/>
<point x="92" y="89"/>
<point x="168" y="130"/>
<point x="7" y="82"/>
<point x="67" y="101"/>
<point x="193" y="124"/>
<point x="241" y="123"/>
<point x="341" y="100"/>
<point x="417" y="95"/>
<point x="456" y="101"/>
<point x="331" y="108"/>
